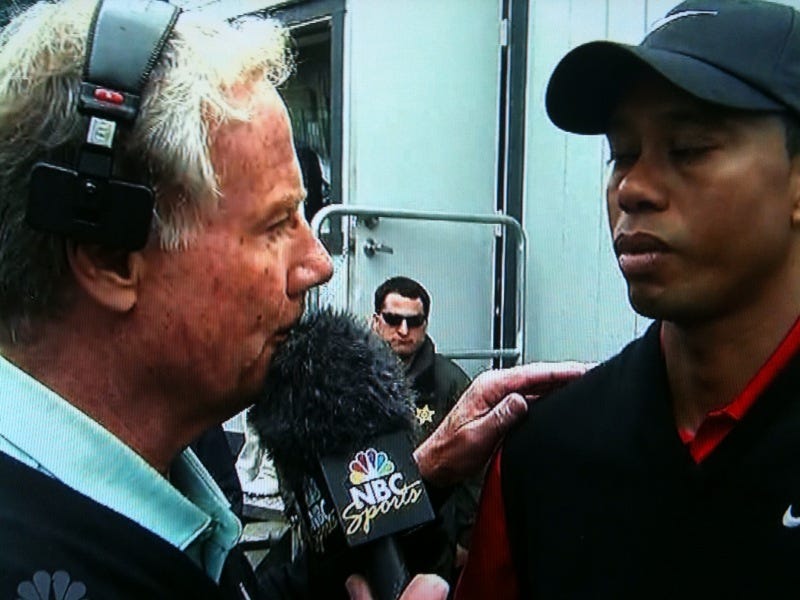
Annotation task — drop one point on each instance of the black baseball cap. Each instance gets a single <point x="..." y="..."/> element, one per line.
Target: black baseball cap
<point x="741" y="54"/>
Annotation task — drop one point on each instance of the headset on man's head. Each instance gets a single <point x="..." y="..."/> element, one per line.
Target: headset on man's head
<point x="84" y="202"/>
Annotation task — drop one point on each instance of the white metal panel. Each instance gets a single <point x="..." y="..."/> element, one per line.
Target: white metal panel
<point x="576" y="304"/>
<point x="225" y="9"/>
<point x="421" y="102"/>
<point x="422" y="87"/>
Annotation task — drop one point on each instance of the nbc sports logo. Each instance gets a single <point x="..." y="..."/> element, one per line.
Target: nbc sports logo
<point x="378" y="488"/>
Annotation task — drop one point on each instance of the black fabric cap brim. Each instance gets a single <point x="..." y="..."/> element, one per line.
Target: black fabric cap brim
<point x="589" y="81"/>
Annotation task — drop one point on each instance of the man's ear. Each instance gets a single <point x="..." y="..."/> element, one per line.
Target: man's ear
<point x="110" y="277"/>
<point x="373" y="322"/>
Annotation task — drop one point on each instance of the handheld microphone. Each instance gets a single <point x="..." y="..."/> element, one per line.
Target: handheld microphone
<point x="337" y="417"/>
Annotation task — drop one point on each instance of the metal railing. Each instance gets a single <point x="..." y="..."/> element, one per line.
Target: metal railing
<point x="364" y="212"/>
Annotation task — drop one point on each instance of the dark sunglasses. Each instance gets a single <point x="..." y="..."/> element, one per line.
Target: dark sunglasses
<point x="394" y="320"/>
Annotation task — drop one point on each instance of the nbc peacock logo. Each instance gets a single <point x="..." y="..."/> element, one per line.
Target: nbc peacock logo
<point x="368" y="465"/>
<point x="57" y="586"/>
<point x="378" y="488"/>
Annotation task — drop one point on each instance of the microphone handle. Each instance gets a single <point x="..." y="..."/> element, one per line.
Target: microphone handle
<point x="385" y="569"/>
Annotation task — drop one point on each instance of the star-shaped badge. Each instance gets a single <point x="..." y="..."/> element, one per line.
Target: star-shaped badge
<point x="425" y="414"/>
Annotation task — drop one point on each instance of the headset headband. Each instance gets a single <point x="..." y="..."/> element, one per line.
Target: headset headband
<point x="125" y="41"/>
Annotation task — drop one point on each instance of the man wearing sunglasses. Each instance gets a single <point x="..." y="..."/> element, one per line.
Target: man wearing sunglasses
<point x="402" y="307"/>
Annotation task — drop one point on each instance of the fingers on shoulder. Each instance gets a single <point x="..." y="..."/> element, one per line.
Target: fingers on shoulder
<point x="357" y="588"/>
<point x="426" y="587"/>
<point x="507" y="412"/>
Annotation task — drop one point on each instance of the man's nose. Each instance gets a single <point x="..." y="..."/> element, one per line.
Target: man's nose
<point x="313" y="269"/>
<point x="403" y="329"/>
<point x="640" y="187"/>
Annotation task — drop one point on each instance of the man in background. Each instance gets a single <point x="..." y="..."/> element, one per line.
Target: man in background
<point x="402" y="311"/>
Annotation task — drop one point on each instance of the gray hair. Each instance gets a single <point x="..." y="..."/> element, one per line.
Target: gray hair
<point x="187" y="96"/>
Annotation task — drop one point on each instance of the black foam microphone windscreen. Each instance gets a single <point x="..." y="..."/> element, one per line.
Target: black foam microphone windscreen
<point x="337" y="418"/>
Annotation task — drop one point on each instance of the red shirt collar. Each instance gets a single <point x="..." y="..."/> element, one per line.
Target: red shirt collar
<point x="719" y="422"/>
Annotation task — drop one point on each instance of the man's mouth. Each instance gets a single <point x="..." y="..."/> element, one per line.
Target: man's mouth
<point x="638" y="243"/>
<point x="639" y="253"/>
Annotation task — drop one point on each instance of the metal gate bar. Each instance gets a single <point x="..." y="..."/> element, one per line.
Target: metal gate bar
<point x="518" y="352"/>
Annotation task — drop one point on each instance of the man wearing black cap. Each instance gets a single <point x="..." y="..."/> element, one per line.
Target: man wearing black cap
<point x="672" y="470"/>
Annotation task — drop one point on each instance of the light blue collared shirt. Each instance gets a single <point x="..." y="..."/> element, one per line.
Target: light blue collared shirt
<point x="47" y="433"/>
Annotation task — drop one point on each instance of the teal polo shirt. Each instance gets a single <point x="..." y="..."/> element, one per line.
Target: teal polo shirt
<point x="47" y="433"/>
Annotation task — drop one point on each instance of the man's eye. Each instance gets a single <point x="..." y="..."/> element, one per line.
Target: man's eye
<point x="690" y="152"/>
<point x="275" y="225"/>
<point x="286" y="220"/>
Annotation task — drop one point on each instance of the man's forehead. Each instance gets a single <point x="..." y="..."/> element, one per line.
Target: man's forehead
<point x="656" y="99"/>
<point x="397" y="299"/>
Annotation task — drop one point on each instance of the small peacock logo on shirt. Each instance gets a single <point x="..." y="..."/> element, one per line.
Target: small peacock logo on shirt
<point x="58" y="586"/>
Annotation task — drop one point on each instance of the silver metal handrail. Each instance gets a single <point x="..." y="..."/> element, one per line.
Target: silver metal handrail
<point x="518" y="352"/>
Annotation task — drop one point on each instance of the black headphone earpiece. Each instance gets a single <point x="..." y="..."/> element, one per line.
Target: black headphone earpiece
<point x="83" y="202"/>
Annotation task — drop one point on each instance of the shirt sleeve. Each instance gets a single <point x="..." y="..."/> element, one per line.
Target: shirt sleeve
<point x="489" y="572"/>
